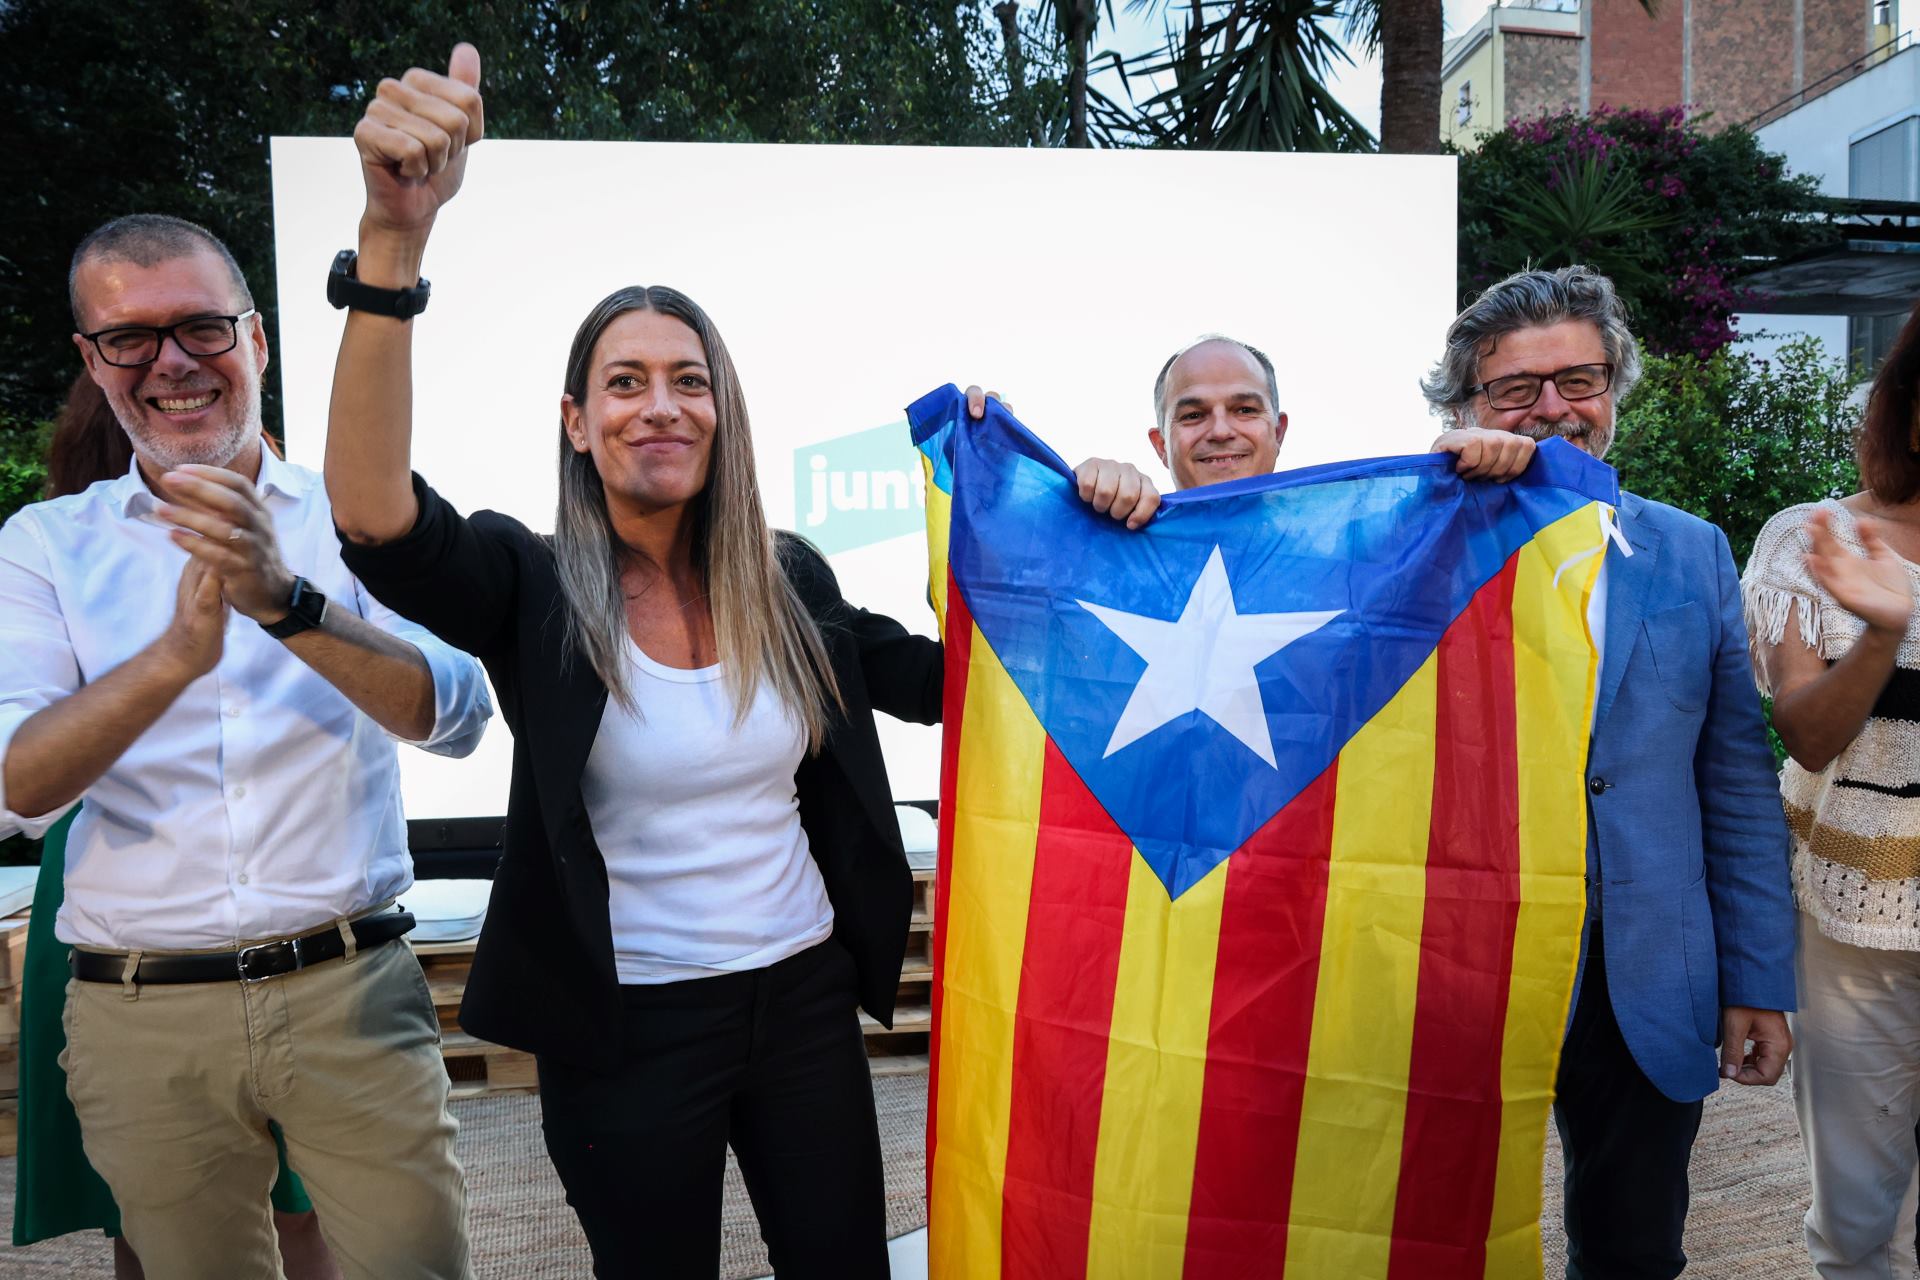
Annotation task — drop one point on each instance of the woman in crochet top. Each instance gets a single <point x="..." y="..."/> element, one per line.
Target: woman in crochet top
<point x="1830" y="595"/>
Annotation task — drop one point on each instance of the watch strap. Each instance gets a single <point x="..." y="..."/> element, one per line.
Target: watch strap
<point x="346" y="290"/>
<point x="306" y="609"/>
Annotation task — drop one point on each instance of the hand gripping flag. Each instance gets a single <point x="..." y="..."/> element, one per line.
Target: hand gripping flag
<point x="1262" y="835"/>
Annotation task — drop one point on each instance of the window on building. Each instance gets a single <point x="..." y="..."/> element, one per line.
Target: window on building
<point x="1870" y="338"/>
<point x="1464" y="112"/>
<point x="1886" y="165"/>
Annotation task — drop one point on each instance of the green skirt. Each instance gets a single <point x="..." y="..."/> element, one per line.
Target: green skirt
<point x="56" y="1190"/>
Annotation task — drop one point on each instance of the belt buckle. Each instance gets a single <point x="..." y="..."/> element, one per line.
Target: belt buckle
<point x="298" y="960"/>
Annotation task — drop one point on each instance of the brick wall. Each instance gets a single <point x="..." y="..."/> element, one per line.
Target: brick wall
<point x="1542" y="74"/>
<point x="1636" y="59"/>
<point x="1836" y="33"/>
<point x="1742" y="56"/>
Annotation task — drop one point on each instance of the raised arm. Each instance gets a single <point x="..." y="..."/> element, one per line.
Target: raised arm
<point x="413" y="144"/>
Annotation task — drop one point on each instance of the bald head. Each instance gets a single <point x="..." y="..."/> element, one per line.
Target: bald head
<point x="1254" y="355"/>
<point x="1217" y="416"/>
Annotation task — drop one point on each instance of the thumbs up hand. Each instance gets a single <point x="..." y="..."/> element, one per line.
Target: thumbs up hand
<point x="413" y="143"/>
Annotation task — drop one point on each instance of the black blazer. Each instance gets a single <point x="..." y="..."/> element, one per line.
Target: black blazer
<point x="543" y="976"/>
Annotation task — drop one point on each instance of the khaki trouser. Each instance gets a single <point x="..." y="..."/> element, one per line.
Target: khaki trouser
<point x="1856" y="1089"/>
<point x="174" y="1086"/>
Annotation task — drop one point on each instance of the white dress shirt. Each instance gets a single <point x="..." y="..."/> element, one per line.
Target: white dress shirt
<point x="1597" y="628"/>
<point x="262" y="802"/>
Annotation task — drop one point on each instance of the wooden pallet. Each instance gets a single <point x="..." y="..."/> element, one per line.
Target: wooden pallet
<point x="13" y="956"/>
<point x="905" y="1046"/>
<point x="9" y="1017"/>
<point x="13" y="950"/>
<point x="478" y="1068"/>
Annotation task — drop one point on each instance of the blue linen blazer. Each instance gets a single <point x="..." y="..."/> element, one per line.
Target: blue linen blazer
<point x="1687" y="848"/>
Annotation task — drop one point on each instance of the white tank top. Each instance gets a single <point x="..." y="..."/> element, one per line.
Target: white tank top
<point x="708" y="868"/>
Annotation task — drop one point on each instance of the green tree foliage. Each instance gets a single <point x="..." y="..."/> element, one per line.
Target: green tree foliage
<point x="109" y="108"/>
<point x="1248" y="75"/>
<point x="23" y="477"/>
<point x="1734" y="438"/>
<point x="1673" y="213"/>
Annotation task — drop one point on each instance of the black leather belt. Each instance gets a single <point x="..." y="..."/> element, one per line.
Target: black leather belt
<point x="251" y="964"/>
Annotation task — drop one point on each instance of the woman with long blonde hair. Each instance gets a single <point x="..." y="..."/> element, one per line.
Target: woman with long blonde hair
<point x="702" y="876"/>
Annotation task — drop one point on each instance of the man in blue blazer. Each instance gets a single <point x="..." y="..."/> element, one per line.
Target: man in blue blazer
<point x="1690" y="926"/>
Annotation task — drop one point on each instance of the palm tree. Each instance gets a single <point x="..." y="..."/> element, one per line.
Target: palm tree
<point x="1247" y="75"/>
<point x="1410" y="35"/>
<point x="1074" y="21"/>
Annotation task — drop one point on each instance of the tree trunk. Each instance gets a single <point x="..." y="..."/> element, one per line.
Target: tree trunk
<point x="1008" y="12"/>
<point x="1198" y="109"/>
<point x="1079" y="36"/>
<point x="1411" y="33"/>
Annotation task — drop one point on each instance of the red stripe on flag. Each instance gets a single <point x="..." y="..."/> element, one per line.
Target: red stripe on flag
<point x="1451" y="1145"/>
<point x="1265" y="977"/>
<point x="1076" y="915"/>
<point x="959" y="652"/>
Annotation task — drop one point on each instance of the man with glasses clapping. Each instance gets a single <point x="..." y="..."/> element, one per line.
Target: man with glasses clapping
<point x="183" y="647"/>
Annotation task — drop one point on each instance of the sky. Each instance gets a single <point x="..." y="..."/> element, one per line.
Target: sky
<point x="1357" y="86"/>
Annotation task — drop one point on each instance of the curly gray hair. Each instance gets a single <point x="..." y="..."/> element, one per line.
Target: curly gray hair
<point x="1527" y="300"/>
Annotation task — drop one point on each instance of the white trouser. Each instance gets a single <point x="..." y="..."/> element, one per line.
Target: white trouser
<point x="1856" y="1089"/>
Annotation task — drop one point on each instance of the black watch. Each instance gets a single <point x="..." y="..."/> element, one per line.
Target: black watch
<point x="306" y="609"/>
<point x="344" y="289"/>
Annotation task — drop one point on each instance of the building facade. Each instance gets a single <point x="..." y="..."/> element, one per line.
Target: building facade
<point x="1861" y="138"/>
<point x="1736" y="61"/>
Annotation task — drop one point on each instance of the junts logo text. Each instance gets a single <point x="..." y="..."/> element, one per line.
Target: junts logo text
<point x="859" y="489"/>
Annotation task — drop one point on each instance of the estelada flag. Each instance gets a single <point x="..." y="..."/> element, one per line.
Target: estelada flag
<point x="1262" y="836"/>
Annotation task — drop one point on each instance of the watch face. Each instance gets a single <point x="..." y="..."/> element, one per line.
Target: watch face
<point x="307" y="603"/>
<point x="306" y="609"/>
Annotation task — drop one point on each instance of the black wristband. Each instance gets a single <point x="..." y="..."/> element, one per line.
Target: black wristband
<point x="345" y="289"/>
<point x="306" y="609"/>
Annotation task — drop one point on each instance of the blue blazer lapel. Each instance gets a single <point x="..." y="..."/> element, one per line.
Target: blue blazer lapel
<point x="1629" y="578"/>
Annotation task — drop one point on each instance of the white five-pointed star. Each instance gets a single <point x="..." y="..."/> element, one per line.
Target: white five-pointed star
<point x="1204" y="662"/>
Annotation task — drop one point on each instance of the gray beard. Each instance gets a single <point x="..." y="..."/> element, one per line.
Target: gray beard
<point x="1599" y="439"/>
<point x="207" y="450"/>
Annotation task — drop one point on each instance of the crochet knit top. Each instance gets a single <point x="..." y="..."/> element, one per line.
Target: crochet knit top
<point x="1856" y="823"/>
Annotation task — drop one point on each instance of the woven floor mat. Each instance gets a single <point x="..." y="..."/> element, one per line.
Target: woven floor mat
<point x="1749" y="1191"/>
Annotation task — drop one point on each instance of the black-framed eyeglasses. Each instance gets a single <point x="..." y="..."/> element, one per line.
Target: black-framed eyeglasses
<point x="1522" y="390"/>
<point x="130" y="346"/>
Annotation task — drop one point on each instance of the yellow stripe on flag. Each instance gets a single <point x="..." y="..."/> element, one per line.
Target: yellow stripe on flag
<point x="939" y="526"/>
<point x="1554" y="672"/>
<point x="1347" y="1168"/>
<point x="1156" y="1066"/>
<point x="996" y="804"/>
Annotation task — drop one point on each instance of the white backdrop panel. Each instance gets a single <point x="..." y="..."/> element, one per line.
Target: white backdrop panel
<point x="850" y="280"/>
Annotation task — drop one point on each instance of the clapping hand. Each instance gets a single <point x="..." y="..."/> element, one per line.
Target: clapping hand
<point x="193" y="642"/>
<point x="1876" y="587"/>
<point x="219" y="519"/>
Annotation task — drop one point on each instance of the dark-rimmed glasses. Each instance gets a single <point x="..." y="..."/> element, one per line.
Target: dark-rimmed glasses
<point x="130" y="346"/>
<point x="1522" y="390"/>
